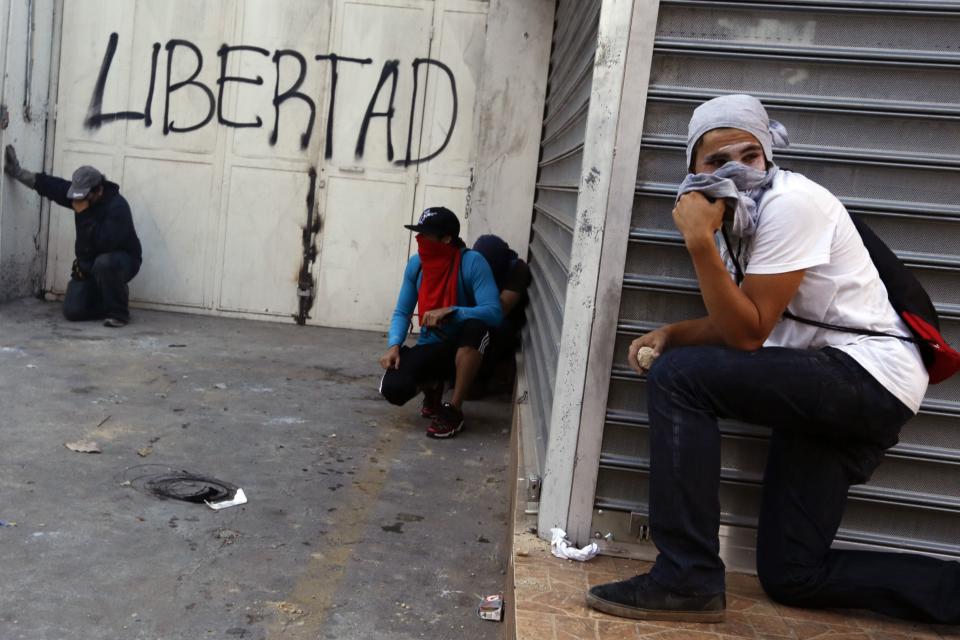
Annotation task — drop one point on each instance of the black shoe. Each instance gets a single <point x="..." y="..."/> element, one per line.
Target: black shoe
<point x="114" y="323"/>
<point x="432" y="402"/>
<point x="642" y="598"/>
<point x="447" y="423"/>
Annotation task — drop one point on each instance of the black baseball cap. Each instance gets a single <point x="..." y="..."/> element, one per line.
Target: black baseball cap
<point x="437" y="221"/>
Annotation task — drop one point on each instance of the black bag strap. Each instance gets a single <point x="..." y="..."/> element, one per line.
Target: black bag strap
<point x="837" y="327"/>
<point x="733" y="256"/>
<point x="823" y="325"/>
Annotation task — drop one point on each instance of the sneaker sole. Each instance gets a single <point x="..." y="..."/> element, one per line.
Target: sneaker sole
<point x="635" y="613"/>
<point x="448" y="434"/>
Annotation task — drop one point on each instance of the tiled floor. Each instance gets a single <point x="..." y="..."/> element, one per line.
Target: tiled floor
<point x="549" y="605"/>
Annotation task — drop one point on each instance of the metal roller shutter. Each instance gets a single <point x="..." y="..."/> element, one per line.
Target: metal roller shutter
<point x="870" y="92"/>
<point x="555" y="208"/>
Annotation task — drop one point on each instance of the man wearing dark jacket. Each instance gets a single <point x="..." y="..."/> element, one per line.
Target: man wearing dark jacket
<point x="108" y="252"/>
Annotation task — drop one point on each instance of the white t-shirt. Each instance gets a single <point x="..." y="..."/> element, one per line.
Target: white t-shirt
<point x="804" y="226"/>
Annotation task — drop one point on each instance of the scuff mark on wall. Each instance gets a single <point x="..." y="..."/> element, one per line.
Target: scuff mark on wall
<point x="607" y="55"/>
<point x="592" y="177"/>
<point x="306" y="287"/>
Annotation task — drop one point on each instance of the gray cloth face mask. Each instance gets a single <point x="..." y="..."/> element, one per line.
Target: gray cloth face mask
<point x="740" y="186"/>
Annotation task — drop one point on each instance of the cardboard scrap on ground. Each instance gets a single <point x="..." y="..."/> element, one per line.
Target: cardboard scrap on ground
<point x="83" y="446"/>
<point x="144" y="452"/>
<point x="491" y="607"/>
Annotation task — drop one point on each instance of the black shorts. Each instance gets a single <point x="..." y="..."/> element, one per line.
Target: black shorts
<point x="429" y="363"/>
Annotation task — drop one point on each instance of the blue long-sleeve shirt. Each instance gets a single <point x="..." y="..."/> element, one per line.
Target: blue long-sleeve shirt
<point x="475" y="274"/>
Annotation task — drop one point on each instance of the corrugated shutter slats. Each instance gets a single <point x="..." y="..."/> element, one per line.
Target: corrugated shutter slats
<point x="555" y="209"/>
<point x="870" y="92"/>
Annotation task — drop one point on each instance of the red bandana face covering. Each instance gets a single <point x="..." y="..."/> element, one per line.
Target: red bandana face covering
<point x="441" y="269"/>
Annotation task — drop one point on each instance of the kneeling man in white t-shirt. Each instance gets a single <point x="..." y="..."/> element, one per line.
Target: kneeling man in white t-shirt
<point x="835" y="400"/>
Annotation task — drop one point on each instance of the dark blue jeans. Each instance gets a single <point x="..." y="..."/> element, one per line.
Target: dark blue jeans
<point x="103" y="292"/>
<point x="831" y="422"/>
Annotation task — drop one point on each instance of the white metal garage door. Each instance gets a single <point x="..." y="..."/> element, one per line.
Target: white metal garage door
<point x="270" y="150"/>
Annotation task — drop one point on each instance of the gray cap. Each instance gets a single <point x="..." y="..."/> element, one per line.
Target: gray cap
<point x="736" y="111"/>
<point x="84" y="179"/>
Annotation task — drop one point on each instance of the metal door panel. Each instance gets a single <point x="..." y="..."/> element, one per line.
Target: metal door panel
<point x="266" y="211"/>
<point x="190" y="105"/>
<point x="387" y="30"/>
<point x="569" y="110"/>
<point x="555" y="209"/>
<point x="927" y="88"/>
<point x="355" y="297"/>
<point x="557" y="238"/>
<point x="813" y="31"/>
<point x="550" y="271"/>
<point x="84" y="46"/>
<point x="450" y="120"/>
<point x="853" y="133"/>
<point x="558" y="204"/>
<point x="301" y="26"/>
<point x="869" y="95"/>
<point x="565" y="140"/>
<point x="267" y="186"/>
<point x="564" y="169"/>
<point x="161" y="215"/>
<point x="459" y="44"/>
<point x="659" y="301"/>
<point x="370" y="189"/>
<point x="248" y="193"/>
<point x="879" y="185"/>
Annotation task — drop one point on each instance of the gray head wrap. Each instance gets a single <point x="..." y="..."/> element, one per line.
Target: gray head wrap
<point x="736" y="111"/>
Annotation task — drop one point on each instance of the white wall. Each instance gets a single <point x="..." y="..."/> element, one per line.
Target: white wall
<point x="510" y="119"/>
<point x="22" y="230"/>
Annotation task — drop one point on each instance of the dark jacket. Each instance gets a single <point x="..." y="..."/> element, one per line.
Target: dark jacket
<point x="105" y="227"/>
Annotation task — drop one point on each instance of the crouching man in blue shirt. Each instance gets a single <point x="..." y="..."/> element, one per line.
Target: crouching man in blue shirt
<point x="458" y="301"/>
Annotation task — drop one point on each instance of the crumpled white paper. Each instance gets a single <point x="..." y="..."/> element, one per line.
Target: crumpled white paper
<point x="239" y="498"/>
<point x="560" y="547"/>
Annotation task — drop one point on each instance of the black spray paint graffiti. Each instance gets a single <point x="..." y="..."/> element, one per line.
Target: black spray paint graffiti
<point x="389" y="74"/>
<point x="305" y="282"/>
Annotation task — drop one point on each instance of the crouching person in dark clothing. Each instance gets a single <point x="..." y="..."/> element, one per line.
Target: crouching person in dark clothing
<point x="456" y="295"/>
<point x="512" y="275"/>
<point x="108" y="252"/>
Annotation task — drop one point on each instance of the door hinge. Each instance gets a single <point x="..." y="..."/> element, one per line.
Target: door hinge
<point x="640" y="526"/>
<point x="534" y="483"/>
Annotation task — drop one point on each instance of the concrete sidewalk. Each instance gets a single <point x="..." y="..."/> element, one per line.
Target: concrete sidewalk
<point x="357" y="525"/>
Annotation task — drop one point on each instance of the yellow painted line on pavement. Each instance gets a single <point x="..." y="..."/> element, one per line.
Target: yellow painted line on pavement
<point x="314" y="592"/>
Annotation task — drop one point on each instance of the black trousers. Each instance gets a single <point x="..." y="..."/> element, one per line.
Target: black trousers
<point x="103" y="292"/>
<point x="431" y="363"/>
<point x="831" y="422"/>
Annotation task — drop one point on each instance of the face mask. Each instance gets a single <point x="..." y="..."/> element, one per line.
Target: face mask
<point x="429" y="248"/>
